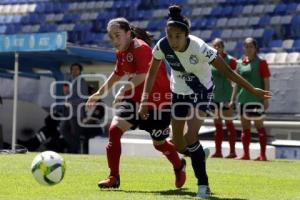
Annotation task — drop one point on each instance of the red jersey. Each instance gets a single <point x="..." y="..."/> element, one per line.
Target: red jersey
<point x="136" y="60"/>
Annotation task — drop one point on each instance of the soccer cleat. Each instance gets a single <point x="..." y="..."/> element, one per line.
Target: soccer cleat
<point x="244" y="157"/>
<point x="110" y="182"/>
<point x="261" y="158"/>
<point x="231" y="155"/>
<point x="217" y="155"/>
<point x="203" y="191"/>
<point x="180" y="174"/>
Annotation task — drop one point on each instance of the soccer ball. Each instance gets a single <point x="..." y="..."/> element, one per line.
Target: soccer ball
<point x="48" y="168"/>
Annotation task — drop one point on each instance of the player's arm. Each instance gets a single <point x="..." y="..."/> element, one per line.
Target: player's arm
<point x="149" y="82"/>
<point x="220" y="64"/>
<point x="112" y="79"/>
<point x="267" y="87"/>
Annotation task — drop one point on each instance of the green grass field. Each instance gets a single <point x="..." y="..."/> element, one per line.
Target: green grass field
<point x="150" y="178"/>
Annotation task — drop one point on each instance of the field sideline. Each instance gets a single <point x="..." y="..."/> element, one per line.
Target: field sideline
<point x="150" y="178"/>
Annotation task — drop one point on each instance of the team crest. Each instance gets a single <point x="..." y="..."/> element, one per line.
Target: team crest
<point x="193" y="59"/>
<point x="129" y="57"/>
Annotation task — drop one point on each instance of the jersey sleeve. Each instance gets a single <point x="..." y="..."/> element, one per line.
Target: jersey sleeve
<point x="264" y="69"/>
<point x="157" y="52"/>
<point x="208" y="54"/>
<point x="142" y="56"/>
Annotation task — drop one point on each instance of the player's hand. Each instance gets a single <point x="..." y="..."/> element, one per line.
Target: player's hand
<point x="262" y="93"/>
<point x="143" y="111"/>
<point x="91" y="102"/>
<point x="229" y="104"/>
<point x="119" y="97"/>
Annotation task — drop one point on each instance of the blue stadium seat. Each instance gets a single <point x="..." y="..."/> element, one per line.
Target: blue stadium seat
<point x="291" y="7"/>
<point x="227" y="11"/>
<point x="280" y="9"/>
<point x="236" y="10"/>
<point x="296" y="45"/>
<point x="264" y="21"/>
<point x="216" y="11"/>
<point x="267" y="36"/>
<point x="295" y="26"/>
<point x="215" y="34"/>
<point x="276" y="44"/>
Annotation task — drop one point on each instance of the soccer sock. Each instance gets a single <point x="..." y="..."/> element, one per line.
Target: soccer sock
<point x="246" y="139"/>
<point x="262" y="141"/>
<point x="219" y="135"/>
<point x="113" y="150"/>
<point x="198" y="163"/>
<point x="231" y="136"/>
<point x="170" y="152"/>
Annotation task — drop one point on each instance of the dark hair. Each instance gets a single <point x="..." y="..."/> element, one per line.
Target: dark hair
<point x="78" y="65"/>
<point x="177" y="20"/>
<point x="253" y="41"/>
<point x="218" y="40"/>
<point x="137" y="32"/>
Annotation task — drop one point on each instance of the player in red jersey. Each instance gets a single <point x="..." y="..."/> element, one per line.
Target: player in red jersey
<point x="223" y="103"/>
<point x="133" y="58"/>
<point x="255" y="70"/>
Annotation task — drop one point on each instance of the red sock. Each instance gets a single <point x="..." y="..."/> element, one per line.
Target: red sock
<point x="262" y="141"/>
<point x="231" y="136"/>
<point x="113" y="150"/>
<point x="170" y="152"/>
<point x="219" y="135"/>
<point x="246" y="139"/>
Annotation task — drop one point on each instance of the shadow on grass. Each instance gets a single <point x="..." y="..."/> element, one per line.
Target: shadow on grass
<point x="175" y="192"/>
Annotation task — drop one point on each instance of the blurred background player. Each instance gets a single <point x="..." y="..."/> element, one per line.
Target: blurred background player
<point x="133" y="58"/>
<point x="191" y="85"/>
<point x="223" y="103"/>
<point x="256" y="71"/>
<point x="71" y="129"/>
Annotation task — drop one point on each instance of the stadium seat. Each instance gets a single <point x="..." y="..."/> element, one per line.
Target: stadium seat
<point x="247" y="33"/>
<point x="295" y="26"/>
<point x="226" y="34"/>
<point x="269" y="8"/>
<point x="280" y="58"/>
<point x="293" y="58"/>
<point x="287" y="45"/>
<point x="230" y="46"/>
<point x="206" y="11"/>
<point x="276" y="45"/>
<point x="227" y="11"/>
<point x="237" y="33"/>
<point x="196" y="12"/>
<point x="247" y="10"/>
<point x="258" y="9"/>
<point x="275" y="20"/>
<point x="243" y="21"/>
<point x="222" y="22"/>
<point x="205" y="35"/>
<point x="232" y="22"/>
<point x="253" y="21"/>
<point x="280" y="9"/>
<point x="236" y="10"/>
<point x="270" y="57"/>
<point x="264" y="21"/>
<point x="296" y="45"/>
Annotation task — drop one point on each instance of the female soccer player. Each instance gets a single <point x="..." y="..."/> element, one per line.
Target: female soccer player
<point x="191" y="85"/>
<point x="223" y="103"/>
<point x="133" y="58"/>
<point x="256" y="71"/>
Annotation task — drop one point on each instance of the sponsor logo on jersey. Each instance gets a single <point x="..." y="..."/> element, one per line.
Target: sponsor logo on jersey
<point x="193" y="59"/>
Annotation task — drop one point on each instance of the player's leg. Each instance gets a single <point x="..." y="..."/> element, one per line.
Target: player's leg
<point x="124" y="120"/>
<point x="219" y="136"/>
<point x="113" y="152"/>
<point x="262" y="134"/>
<point x="158" y="127"/>
<point x="197" y="153"/>
<point x="245" y="137"/>
<point x="228" y="114"/>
